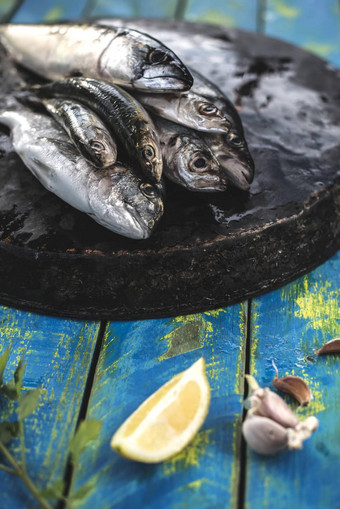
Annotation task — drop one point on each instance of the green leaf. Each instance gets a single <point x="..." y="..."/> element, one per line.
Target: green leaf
<point x="83" y="492"/>
<point x="85" y="434"/>
<point x="19" y="376"/>
<point x="54" y="491"/>
<point x="8" y="430"/>
<point x="3" y="363"/>
<point x="10" y="390"/>
<point x="28" y="403"/>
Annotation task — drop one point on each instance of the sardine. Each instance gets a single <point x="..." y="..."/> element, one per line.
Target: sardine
<point x="231" y="150"/>
<point x="233" y="156"/>
<point x="188" y="161"/>
<point x="189" y="109"/>
<point x="121" y="113"/>
<point x="115" y="197"/>
<point x="86" y="130"/>
<point x="120" y="55"/>
<point x="205" y="88"/>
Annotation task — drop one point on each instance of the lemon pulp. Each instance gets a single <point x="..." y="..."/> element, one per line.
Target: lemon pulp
<point x="168" y="420"/>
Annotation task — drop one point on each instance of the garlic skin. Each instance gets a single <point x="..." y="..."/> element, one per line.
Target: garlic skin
<point x="294" y="386"/>
<point x="270" y="425"/>
<point x="267" y="437"/>
<point x="266" y="403"/>
<point x="332" y="346"/>
<point x="264" y="436"/>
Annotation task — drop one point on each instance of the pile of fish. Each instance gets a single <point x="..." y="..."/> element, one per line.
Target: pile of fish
<point x="120" y="110"/>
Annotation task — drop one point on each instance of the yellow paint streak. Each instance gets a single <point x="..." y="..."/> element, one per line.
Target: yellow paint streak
<point x="317" y="403"/>
<point x="319" y="306"/>
<point x="196" y="485"/>
<point x="215" y="312"/>
<point x="190" y="456"/>
<point x="216" y="17"/>
<point x="239" y="378"/>
<point x="254" y="341"/>
<point x="73" y="374"/>
<point x="285" y="10"/>
<point x="54" y="14"/>
<point x="323" y="50"/>
<point x="213" y="370"/>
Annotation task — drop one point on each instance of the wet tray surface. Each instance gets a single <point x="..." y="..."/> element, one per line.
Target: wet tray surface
<point x="209" y="250"/>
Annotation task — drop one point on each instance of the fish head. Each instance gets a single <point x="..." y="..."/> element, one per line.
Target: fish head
<point x="205" y="115"/>
<point x="235" y="160"/>
<point x="157" y="68"/>
<point x="150" y="151"/>
<point x="129" y="205"/>
<point x="194" y="165"/>
<point x="100" y="148"/>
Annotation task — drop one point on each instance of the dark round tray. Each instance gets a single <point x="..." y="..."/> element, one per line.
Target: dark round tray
<point x="210" y="250"/>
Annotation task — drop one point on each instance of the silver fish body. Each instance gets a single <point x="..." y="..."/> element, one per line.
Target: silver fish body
<point x="188" y="161"/>
<point x="86" y="130"/>
<point x="118" y="54"/>
<point x="122" y="114"/>
<point x="115" y="197"/>
<point x="189" y="109"/>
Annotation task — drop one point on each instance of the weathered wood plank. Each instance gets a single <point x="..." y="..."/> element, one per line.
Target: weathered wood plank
<point x="287" y="326"/>
<point x="135" y="360"/>
<point x="35" y="11"/>
<point x="310" y="24"/>
<point x="238" y="13"/>
<point x="133" y="8"/>
<point x="58" y="355"/>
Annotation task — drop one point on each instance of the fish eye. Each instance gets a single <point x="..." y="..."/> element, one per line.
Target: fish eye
<point x="199" y="163"/>
<point x="148" y="190"/>
<point x="97" y="146"/>
<point x="157" y="56"/>
<point x="208" y="109"/>
<point x="148" y="153"/>
<point x="235" y="140"/>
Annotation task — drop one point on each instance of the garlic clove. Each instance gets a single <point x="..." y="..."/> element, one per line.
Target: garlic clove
<point x="266" y="403"/>
<point x="309" y="425"/>
<point x="294" y="386"/>
<point x="332" y="346"/>
<point x="264" y="436"/>
<point x="268" y="437"/>
<point x="301" y="432"/>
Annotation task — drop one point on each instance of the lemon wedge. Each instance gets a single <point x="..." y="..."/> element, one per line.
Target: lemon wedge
<point x="168" y="420"/>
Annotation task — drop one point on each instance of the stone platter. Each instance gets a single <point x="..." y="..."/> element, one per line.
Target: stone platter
<point x="210" y="250"/>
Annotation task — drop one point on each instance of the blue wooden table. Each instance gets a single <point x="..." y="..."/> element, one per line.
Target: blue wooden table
<point x="103" y="371"/>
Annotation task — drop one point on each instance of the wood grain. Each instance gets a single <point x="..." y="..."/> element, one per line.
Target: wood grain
<point x="310" y="24"/>
<point x="58" y="355"/>
<point x="136" y="359"/>
<point x="287" y="326"/>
